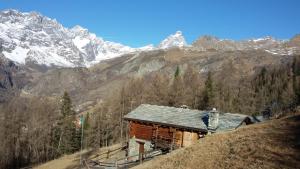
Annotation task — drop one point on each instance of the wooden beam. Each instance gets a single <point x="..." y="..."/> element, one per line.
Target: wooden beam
<point x="182" y="137"/>
<point x="173" y="130"/>
<point x="156" y="135"/>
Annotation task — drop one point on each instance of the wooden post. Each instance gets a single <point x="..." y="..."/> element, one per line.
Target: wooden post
<point x="127" y="131"/>
<point x="106" y="137"/>
<point x="156" y="134"/>
<point x="141" y="151"/>
<point x="87" y="166"/>
<point x="116" y="164"/>
<point x="141" y="158"/>
<point x="173" y="137"/>
<point x="107" y="157"/>
<point x="182" y="137"/>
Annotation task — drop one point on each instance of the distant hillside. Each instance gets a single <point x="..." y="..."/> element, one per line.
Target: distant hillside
<point x="86" y="86"/>
<point x="273" y="144"/>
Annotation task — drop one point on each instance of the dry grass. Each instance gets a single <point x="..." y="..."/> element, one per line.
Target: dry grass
<point x="65" y="162"/>
<point x="73" y="161"/>
<point x="273" y="144"/>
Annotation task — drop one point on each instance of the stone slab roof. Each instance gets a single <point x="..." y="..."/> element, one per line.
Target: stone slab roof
<point x="183" y="118"/>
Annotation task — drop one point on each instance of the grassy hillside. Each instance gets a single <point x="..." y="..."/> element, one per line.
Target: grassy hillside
<point x="273" y="144"/>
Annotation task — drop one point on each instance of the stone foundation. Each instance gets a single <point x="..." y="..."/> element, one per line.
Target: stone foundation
<point x="133" y="147"/>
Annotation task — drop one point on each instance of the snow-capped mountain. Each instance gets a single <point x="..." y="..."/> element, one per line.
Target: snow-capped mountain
<point x="34" y="38"/>
<point x="31" y="37"/>
<point x="175" y="40"/>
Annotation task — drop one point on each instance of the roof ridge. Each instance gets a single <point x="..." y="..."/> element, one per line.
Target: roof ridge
<point x="146" y="104"/>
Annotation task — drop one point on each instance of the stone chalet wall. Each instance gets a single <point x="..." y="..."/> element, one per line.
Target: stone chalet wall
<point x="133" y="149"/>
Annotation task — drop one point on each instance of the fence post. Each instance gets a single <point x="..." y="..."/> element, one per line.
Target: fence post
<point x="107" y="157"/>
<point x="116" y="164"/>
<point x="86" y="164"/>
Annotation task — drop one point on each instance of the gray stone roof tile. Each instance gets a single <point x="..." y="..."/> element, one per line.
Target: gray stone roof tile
<point x="185" y="118"/>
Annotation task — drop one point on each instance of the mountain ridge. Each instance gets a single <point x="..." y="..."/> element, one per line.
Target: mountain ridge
<point x="31" y="38"/>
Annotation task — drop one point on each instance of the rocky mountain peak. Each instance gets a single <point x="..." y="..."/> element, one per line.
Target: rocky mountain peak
<point x="207" y="39"/>
<point x="11" y="12"/>
<point x="79" y="30"/>
<point x="174" y="40"/>
<point x="295" y="41"/>
<point x="208" y="42"/>
<point x="178" y="33"/>
<point x="296" y="37"/>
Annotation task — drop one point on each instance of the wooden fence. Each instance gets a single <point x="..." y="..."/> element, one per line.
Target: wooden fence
<point x="123" y="163"/>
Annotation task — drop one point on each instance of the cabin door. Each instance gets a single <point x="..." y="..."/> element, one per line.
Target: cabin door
<point x="141" y="150"/>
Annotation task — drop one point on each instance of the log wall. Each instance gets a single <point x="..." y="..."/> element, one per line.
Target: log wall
<point x="141" y="131"/>
<point x="149" y="132"/>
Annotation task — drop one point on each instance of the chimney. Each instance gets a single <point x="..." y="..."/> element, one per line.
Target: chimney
<point x="184" y="106"/>
<point x="213" y="119"/>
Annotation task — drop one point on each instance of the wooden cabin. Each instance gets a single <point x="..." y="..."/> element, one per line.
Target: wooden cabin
<point x="164" y="136"/>
<point x="153" y="127"/>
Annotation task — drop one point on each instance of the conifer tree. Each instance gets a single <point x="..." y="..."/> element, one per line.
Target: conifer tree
<point x="208" y="93"/>
<point x="177" y="72"/>
<point x="86" y="129"/>
<point x="176" y="91"/>
<point x="69" y="140"/>
<point x="66" y="105"/>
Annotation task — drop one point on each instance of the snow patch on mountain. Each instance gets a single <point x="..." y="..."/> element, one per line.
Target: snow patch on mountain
<point x="80" y="42"/>
<point x="147" y="48"/>
<point x="263" y="39"/>
<point x="18" y="54"/>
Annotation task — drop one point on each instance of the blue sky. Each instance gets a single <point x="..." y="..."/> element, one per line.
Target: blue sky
<point x="141" y="22"/>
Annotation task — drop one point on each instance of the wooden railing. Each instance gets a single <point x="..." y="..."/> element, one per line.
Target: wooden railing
<point x="123" y="163"/>
<point x="164" y="142"/>
<point x="108" y="153"/>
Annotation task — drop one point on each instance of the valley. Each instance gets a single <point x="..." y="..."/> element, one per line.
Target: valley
<point x="66" y="89"/>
